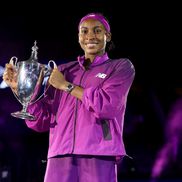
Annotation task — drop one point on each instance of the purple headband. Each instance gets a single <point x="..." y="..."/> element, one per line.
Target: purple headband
<point x="97" y="17"/>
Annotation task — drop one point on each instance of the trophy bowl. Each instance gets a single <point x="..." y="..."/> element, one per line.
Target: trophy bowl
<point x="31" y="82"/>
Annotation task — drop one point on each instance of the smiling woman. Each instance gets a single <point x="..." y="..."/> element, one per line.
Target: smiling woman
<point x="84" y="109"/>
<point x="94" y="33"/>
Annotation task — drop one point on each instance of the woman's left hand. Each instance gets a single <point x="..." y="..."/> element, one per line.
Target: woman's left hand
<point x="57" y="79"/>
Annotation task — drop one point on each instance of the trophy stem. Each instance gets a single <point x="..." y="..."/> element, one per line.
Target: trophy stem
<point x="23" y="114"/>
<point x="24" y="110"/>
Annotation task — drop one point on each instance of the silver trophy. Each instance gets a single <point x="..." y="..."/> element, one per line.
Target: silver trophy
<point x="31" y="82"/>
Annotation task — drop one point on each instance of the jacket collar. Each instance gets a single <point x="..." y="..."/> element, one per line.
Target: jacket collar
<point x="97" y="61"/>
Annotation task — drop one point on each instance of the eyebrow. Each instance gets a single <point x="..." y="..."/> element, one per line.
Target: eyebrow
<point x="93" y="27"/>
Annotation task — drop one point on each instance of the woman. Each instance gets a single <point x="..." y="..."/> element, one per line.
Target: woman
<point x="84" y="109"/>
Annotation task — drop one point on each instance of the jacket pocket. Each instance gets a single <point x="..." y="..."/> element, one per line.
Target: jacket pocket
<point x="106" y="129"/>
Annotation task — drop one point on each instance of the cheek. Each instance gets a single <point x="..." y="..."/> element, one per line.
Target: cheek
<point x="105" y="39"/>
<point x="80" y="40"/>
<point x="102" y="38"/>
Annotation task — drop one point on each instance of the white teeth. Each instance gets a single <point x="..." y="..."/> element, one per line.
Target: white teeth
<point x="91" y="44"/>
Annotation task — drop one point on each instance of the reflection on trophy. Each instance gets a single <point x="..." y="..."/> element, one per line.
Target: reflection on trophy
<point x="31" y="84"/>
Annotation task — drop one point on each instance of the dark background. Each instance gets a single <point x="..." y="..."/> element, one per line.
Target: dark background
<point x="148" y="33"/>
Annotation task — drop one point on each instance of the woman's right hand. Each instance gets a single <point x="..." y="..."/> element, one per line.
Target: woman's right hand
<point x="10" y="76"/>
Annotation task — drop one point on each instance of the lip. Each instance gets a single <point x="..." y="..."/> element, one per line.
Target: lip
<point x="91" y="45"/>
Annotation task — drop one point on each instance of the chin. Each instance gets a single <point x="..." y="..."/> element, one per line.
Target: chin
<point x="92" y="52"/>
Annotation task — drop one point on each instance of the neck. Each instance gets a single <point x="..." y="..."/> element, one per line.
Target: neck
<point x="91" y="57"/>
<point x="87" y="63"/>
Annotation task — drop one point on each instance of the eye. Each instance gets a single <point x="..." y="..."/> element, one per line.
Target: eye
<point x="83" y="31"/>
<point x="97" y="30"/>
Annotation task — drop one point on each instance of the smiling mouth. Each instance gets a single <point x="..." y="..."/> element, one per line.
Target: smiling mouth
<point x="91" y="45"/>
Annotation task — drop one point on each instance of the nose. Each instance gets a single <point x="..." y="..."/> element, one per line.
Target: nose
<point x="91" y="35"/>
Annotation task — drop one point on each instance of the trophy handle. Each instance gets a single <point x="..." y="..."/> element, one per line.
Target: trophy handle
<point x="48" y="68"/>
<point x="46" y="73"/>
<point x="13" y="61"/>
<point x="54" y="64"/>
<point x="14" y="93"/>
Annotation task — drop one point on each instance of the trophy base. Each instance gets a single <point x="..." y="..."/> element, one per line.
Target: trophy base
<point x="23" y="115"/>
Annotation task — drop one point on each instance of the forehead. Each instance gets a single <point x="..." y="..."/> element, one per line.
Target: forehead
<point x="90" y="23"/>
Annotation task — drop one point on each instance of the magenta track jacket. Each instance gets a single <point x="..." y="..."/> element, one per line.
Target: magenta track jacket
<point x="93" y="125"/>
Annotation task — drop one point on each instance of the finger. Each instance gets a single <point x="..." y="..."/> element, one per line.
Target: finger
<point x="50" y="81"/>
<point x="6" y="78"/>
<point x="9" y="66"/>
<point x="52" y="74"/>
<point x="55" y="70"/>
<point x="42" y="66"/>
<point x="5" y="75"/>
<point x="9" y="74"/>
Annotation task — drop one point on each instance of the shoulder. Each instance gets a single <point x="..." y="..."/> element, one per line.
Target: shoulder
<point x="123" y="64"/>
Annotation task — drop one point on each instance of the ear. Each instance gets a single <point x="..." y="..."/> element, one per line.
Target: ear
<point x="108" y="36"/>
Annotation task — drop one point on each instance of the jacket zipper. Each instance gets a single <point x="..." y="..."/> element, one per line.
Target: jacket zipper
<point x="76" y="114"/>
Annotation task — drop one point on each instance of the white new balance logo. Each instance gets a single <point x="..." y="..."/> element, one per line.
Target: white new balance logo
<point x="101" y="75"/>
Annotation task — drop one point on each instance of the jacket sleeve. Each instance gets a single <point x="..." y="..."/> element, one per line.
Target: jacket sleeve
<point x="42" y="110"/>
<point x="106" y="100"/>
